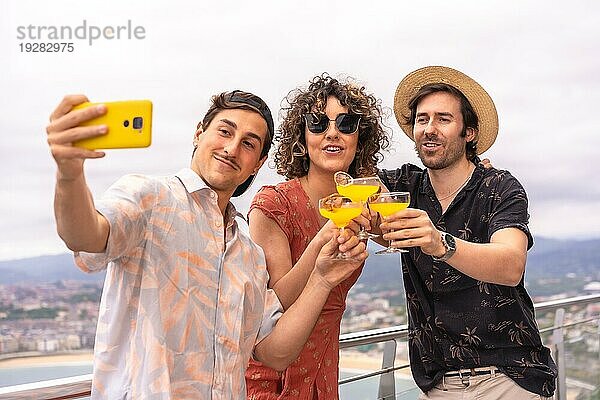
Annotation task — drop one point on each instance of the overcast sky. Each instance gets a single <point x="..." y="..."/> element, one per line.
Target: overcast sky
<point x="538" y="60"/>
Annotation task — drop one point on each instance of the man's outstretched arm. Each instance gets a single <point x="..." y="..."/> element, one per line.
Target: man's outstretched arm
<point x="78" y="223"/>
<point x="502" y="261"/>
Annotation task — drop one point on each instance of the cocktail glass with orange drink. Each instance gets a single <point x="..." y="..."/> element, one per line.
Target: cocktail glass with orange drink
<point x="358" y="189"/>
<point x="340" y="210"/>
<point x="387" y="204"/>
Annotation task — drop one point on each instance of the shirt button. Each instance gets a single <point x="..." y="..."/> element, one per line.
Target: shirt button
<point x="212" y="195"/>
<point x="218" y="224"/>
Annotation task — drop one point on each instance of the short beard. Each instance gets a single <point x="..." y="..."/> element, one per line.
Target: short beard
<point x="442" y="163"/>
<point x="449" y="159"/>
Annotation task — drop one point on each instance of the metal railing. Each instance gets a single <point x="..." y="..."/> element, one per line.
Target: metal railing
<point x="78" y="387"/>
<point x="390" y="337"/>
<point x="74" y="387"/>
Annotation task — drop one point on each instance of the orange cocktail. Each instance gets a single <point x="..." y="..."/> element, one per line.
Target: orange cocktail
<point x="342" y="212"/>
<point x="358" y="189"/>
<point x="358" y="192"/>
<point x="387" y="204"/>
<point x="387" y="209"/>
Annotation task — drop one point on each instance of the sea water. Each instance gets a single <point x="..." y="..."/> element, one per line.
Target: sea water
<point x="365" y="389"/>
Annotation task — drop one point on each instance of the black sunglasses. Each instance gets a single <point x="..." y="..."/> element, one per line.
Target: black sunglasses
<point x="345" y="123"/>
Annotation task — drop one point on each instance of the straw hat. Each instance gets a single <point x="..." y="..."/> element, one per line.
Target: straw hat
<point x="480" y="101"/>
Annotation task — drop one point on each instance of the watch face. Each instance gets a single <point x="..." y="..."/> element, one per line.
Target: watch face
<point x="450" y="240"/>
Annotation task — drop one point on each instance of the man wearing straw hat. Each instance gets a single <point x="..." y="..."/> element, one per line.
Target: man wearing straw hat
<point x="472" y="328"/>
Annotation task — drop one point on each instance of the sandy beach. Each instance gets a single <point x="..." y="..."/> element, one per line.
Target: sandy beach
<point x="357" y="361"/>
<point x="348" y="360"/>
<point x="47" y="360"/>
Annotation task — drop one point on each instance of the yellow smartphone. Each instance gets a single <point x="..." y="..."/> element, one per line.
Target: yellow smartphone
<point x="129" y="125"/>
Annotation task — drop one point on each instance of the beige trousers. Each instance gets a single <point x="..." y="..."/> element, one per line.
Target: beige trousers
<point x="481" y="387"/>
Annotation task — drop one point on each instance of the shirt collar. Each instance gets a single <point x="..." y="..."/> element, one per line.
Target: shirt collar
<point x="193" y="183"/>
<point x="191" y="180"/>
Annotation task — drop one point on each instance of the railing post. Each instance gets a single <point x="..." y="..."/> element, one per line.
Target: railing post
<point x="387" y="381"/>
<point x="559" y="346"/>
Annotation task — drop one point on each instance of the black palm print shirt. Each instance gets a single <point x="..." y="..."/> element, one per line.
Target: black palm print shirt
<point x="456" y="321"/>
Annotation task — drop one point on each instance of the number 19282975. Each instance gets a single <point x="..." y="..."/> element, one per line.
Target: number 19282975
<point x="43" y="47"/>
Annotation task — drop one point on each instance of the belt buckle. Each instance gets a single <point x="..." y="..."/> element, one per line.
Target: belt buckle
<point x="465" y="375"/>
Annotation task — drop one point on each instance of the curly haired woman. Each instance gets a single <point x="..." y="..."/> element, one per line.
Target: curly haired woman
<point x="328" y="127"/>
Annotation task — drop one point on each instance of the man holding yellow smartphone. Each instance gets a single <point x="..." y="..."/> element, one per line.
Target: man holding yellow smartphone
<point x="185" y="302"/>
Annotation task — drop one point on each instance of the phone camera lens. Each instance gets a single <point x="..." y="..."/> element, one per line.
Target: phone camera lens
<point x="138" y="122"/>
<point x="126" y="123"/>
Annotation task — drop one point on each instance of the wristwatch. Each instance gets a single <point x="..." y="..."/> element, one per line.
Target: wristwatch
<point x="449" y="244"/>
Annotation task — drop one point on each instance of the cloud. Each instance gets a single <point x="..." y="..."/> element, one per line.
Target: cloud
<point x="538" y="64"/>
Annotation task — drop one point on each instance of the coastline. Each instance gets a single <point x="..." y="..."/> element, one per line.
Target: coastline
<point x="47" y="360"/>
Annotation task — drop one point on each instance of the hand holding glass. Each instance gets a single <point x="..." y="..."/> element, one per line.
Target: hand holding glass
<point x="387" y="204"/>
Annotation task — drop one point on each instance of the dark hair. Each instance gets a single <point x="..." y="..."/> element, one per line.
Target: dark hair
<point x="291" y="157"/>
<point x="238" y="99"/>
<point x="469" y="116"/>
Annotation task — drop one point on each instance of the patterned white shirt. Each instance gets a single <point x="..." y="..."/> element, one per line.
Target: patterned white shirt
<point x="185" y="300"/>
